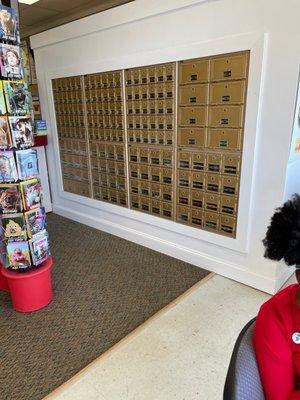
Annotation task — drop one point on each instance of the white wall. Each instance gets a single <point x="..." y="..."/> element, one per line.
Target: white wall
<point x="148" y="32"/>
<point x="292" y="184"/>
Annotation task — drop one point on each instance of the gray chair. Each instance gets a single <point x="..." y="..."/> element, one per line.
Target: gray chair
<point x="243" y="380"/>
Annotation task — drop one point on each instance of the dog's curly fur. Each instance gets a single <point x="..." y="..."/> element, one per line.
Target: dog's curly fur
<point x="283" y="235"/>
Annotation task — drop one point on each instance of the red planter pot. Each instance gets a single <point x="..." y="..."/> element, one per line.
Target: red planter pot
<point x="30" y="291"/>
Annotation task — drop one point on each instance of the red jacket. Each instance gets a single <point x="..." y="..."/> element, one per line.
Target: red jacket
<point x="277" y="345"/>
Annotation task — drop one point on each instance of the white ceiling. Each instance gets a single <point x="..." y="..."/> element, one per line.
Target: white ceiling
<point x="46" y="14"/>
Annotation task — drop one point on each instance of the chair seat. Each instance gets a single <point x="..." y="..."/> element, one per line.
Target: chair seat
<point x="243" y="380"/>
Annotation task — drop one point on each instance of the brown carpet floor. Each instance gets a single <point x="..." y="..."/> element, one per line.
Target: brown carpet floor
<point x="104" y="287"/>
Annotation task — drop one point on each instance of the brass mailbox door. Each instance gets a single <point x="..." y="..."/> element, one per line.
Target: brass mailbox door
<point x="168" y="106"/>
<point x="121" y="183"/>
<point x="193" y="71"/>
<point x="155" y="157"/>
<point x="212" y="202"/>
<point x="120" y="168"/>
<point x="198" y="180"/>
<point x="144" y="188"/>
<point x="144" y="172"/>
<point x="213" y="183"/>
<point x="183" y="197"/>
<point x="199" y="161"/>
<point x="230" y="67"/>
<point x="197" y="199"/>
<point x="167" y="193"/>
<point x="214" y="162"/>
<point x="230" y="116"/>
<point x="211" y="221"/>
<point x="133" y="169"/>
<point x="196" y="218"/>
<point x="167" y="176"/>
<point x="169" y="72"/>
<point x="229" y="139"/>
<point x="230" y="185"/>
<point x="145" y="204"/>
<point x="160" y="107"/>
<point x="155" y="174"/>
<point x="167" y="210"/>
<point x="227" y="225"/>
<point x="183" y="214"/>
<point x="155" y="191"/>
<point x="195" y="137"/>
<point x="193" y="95"/>
<point x="145" y="136"/>
<point x="184" y="179"/>
<point x="184" y="160"/>
<point x="228" y="205"/>
<point x="144" y="156"/>
<point x="231" y="164"/>
<point x="135" y="202"/>
<point x="134" y="186"/>
<point x="192" y="116"/>
<point x="122" y="199"/>
<point x="167" y="158"/>
<point x="168" y="138"/>
<point x="155" y="207"/>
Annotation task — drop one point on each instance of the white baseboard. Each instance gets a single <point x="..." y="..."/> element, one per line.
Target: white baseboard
<point x="213" y="264"/>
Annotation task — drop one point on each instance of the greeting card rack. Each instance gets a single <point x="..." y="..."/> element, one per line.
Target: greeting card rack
<point x="24" y="240"/>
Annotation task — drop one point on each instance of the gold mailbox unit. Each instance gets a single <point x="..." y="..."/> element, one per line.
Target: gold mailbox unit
<point x="150" y="105"/>
<point x="105" y="129"/>
<point x="211" y="108"/>
<point x="71" y="130"/>
<point x="163" y="139"/>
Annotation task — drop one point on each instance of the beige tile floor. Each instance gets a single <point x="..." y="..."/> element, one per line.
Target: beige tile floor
<point x="182" y="353"/>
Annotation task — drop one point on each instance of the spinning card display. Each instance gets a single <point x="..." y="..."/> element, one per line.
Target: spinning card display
<point x="24" y="241"/>
<point x="31" y="193"/>
<point x="21" y="132"/>
<point x="8" y="170"/>
<point x="10" y="198"/>
<point x="35" y="221"/>
<point x="18" y="256"/>
<point x="27" y="163"/>
<point x="39" y="246"/>
<point x="18" y="98"/>
<point x="14" y="226"/>
<point x="11" y="65"/>
<point x="5" y="138"/>
<point x="9" y="26"/>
